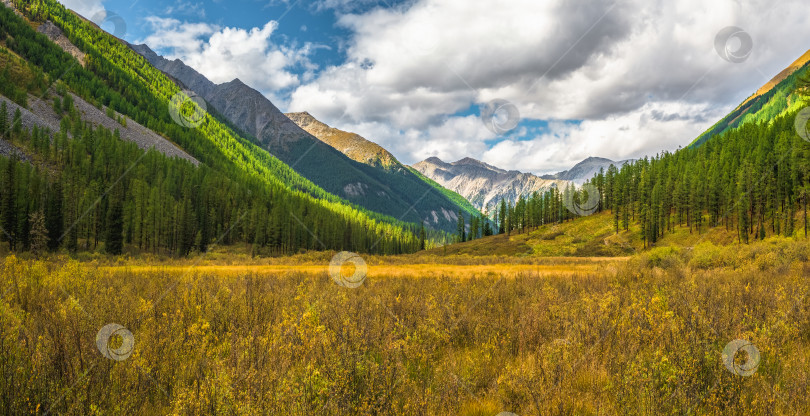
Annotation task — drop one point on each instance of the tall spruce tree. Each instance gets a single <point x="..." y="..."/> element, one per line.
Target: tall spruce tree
<point x="114" y="239"/>
<point x="53" y="216"/>
<point x="461" y="227"/>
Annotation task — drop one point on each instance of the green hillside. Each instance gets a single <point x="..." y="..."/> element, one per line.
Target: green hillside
<point x="774" y="99"/>
<point x="240" y="193"/>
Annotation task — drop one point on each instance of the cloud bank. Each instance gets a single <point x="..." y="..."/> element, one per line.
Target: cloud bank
<point x="637" y="76"/>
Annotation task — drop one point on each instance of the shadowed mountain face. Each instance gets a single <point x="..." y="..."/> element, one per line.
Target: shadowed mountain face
<point x="482" y="184"/>
<point x="366" y="175"/>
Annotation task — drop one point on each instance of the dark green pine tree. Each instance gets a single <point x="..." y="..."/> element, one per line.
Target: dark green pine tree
<point x="114" y="238"/>
<point x="422" y="237"/>
<point x="461" y="228"/>
<point x="502" y="219"/>
<point x="487" y="228"/>
<point x="16" y="124"/>
<point x="7" y="204"/>
<point x="53" y="216"/>
<point x="187" y="230"/>
<point x="3" y="119"/>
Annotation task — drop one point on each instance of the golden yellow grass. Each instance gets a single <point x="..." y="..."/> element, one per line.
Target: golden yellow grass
<point x="551" y="267"/>
<point x="642" y="335"/>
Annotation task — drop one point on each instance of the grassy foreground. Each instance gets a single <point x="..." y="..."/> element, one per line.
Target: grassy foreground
<point x="637" y="336"/>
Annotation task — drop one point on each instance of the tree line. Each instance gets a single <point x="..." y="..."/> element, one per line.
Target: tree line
<point x="754" y="179"/>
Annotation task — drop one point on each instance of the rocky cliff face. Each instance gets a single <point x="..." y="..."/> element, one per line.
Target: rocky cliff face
<point x="482" y="184"/>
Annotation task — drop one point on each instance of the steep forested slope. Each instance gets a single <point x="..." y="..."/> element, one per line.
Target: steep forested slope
<point x="101" y="188"/>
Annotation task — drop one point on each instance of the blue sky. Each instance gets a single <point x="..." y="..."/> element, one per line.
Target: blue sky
<point x="296" y="22"/>
<point x="617" y="79"/>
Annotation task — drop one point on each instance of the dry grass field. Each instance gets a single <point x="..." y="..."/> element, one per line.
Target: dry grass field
<point x="474" y="335"/>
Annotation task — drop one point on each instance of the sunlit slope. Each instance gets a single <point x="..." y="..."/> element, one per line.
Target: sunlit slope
<point x="773" y="99"/>
<point x="590" y="236"/>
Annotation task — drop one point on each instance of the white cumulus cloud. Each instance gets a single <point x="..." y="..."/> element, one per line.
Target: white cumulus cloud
<point x="225" y="53"/>
<point x="615" y="65"/>
<point x="636" y="76"/>
<point x="86" y="8"/>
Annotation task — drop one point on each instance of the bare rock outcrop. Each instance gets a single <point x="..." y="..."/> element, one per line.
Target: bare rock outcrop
<point x="55" y="34"/>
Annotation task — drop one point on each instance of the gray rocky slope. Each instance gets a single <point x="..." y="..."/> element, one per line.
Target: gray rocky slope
<point x="40" y="113"/>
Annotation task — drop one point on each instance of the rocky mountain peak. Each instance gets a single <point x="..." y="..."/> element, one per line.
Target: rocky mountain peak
<point x="482" y="184"/>
<point x="352" y="145"/>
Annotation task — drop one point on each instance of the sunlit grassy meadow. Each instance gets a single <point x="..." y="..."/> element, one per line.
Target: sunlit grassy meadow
<point x="638" y="335"/>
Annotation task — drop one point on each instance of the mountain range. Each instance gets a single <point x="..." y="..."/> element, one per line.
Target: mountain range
<point x="485" y="185"/>
<point x="359" y="170"/>
<point x="91" y="141"/>
<point x="482" y="184"/>
<point x="343" y="164"/>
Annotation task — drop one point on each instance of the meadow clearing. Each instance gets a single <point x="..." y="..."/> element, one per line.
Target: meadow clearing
<point x="475" y="336"/>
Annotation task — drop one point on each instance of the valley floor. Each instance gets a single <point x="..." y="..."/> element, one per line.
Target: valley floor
<point x="432" y="333"/>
